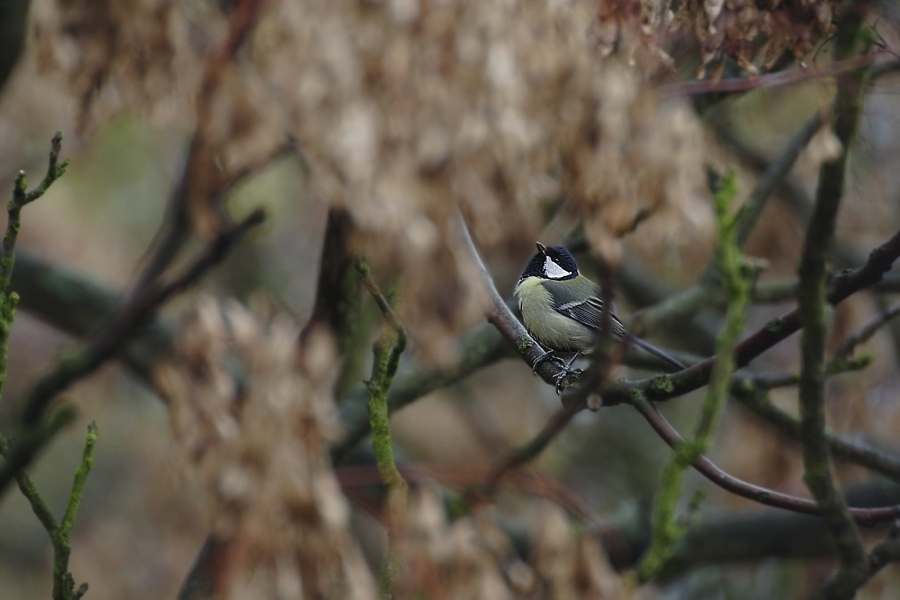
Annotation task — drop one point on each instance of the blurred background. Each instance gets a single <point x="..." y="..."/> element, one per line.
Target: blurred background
<point x="507" y="108"/>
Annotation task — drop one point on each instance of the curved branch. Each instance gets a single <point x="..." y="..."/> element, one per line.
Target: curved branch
<point x="863" y="516"/>
<point x="747" y="536"/>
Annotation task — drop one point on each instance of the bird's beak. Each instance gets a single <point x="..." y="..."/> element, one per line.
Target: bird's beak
<point x="541" y="248"/>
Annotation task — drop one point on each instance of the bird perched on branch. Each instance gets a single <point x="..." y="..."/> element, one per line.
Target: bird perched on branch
<point x="563" y="311"/>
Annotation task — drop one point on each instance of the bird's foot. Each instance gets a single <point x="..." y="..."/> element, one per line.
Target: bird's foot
<point x="548" y="355"/>
<point x="560" y="378"/>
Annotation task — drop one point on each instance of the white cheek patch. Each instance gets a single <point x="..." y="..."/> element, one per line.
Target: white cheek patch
<point x="553" y="270"/>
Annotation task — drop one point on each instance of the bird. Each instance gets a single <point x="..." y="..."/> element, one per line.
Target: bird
<point x="563" y="310"/>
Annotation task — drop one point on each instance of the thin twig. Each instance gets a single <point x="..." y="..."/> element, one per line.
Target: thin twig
<point x="383" y="305"/>
<point x="775" y="175"/>
<point x="20" y="198"/>
<point x="60" y="532"/>
<point x="704" y="466"/>
<point x="866" y="332"/>
<point x="783" y="78"/>
<point x="386" y="358"/>
<point x="736" y="279"/>
<point x="685" y="304"/>
<point x="557" y="423"/>
<point x="201" y="182"/>
<point x="478" y="350"/>
<point x="726" y="537"/>
<point x="666" y="387"/>
<point x="500" y="316"/>
<point x="840" y="448"/>
<point x="28" y="445"/>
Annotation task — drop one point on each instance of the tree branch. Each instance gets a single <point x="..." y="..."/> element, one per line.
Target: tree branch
<point x="132" y="314"/>
<point x="666" y="387"/>
<point x="193" y="205"/>
<point x="729" y="537"/>
<point x="122" y="326"/>
<point x="704" y="466"/>
<point x="386" y="358"/>
<point x="20" y="198"/>
<point x="783" y="78"/>
<point x="818" y="470"/>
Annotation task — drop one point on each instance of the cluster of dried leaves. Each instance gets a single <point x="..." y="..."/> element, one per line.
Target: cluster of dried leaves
<point x="256" y="425"/>
<point x="260" y="441"/>
<point x="473" y="558"/>
<point x="114" y="56"/>
<point x="753" y="34"/>
<point x="407" y="110"/>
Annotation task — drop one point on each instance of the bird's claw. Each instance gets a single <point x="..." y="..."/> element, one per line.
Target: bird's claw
<point x="544" y="358"/>
<point x="560" y="377"/>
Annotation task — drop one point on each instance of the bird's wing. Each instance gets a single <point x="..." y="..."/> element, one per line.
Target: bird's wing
<point x="587" y="311"/>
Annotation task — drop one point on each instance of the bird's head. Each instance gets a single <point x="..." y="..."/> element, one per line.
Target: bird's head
<point x="555" y="262"/>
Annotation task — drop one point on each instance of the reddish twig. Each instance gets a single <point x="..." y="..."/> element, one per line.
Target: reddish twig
<point x="465" y="477"/>
<point x="863" y="516"/>
<point x="780" y="79"/>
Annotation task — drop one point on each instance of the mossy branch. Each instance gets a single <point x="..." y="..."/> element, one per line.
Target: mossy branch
<point x="818" y="472"/>
<point x="737" y="278"/>
<point x="60" y="532"/>
<point x="20" y="198"/>
<point x="386" y="359"/>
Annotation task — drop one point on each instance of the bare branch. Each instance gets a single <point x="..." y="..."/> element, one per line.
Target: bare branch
<point x="818" y="471"/>
<point x="560" y="419"/>
<point x="666" y="387"/>
<point x="866" y="332"/>
<point x="122" y="326"/>
<point x="741" y="488"/>
<point x="500" y="316"/>
<point x="783" y="78"/>
<point x="194" y="202"/>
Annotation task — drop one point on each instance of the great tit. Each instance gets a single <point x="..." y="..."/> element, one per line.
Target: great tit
<point x="562" y="309"/>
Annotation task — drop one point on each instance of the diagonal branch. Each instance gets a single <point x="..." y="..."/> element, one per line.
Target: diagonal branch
<point x="661" y="388"/>
<point x="557" y="423"/>
<point x="866" y="332"/>
<point x="130" y="316"/>
<point x="783" y="78"/>
<point x="678" y="306"/>
<point x="122" y="327"/>
<point x="193" y="204"/>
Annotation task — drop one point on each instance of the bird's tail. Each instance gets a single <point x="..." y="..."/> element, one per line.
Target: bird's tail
<point x="656" y="352"/>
